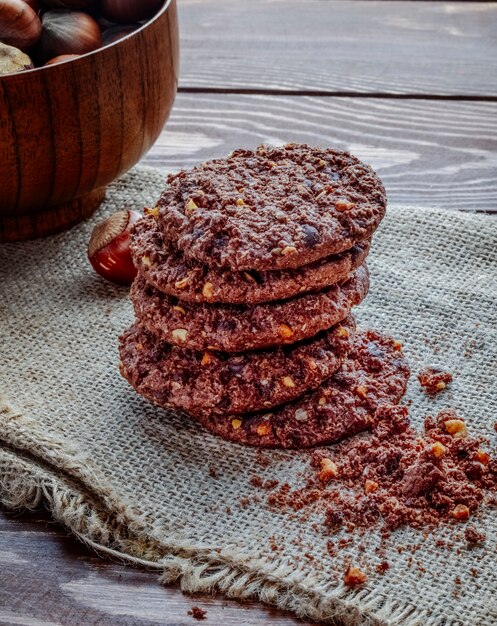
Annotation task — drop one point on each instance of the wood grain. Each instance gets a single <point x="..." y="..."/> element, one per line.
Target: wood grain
<point x="49" y="579"/>
<point x="440" y="154"/>
<point x="334" y="46"/>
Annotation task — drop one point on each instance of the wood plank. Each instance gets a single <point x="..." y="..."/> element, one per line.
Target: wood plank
<point x="428" y="153"/>
<point x="363" y="46"/>
<point x="48" y="578"/>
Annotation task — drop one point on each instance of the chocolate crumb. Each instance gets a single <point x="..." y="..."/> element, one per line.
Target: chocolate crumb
<point x="197" y="613"/>
<point x="433" y="380"/>
<point x="473" y="536"/>
<point x="382" y="567"/>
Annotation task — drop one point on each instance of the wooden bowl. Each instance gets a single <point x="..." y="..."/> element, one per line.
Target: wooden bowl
<point x="68" y="130"/>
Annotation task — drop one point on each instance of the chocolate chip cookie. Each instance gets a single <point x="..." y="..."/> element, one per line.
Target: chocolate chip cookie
<point x="271" y="208"/>
<point x="239" y="328"/>
<point x="168" y="270"/>
<point x="230" y="384"/>
<point x="374" y="374"/>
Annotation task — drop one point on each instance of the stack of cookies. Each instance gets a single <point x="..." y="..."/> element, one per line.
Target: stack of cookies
<point x="248" y="269"/>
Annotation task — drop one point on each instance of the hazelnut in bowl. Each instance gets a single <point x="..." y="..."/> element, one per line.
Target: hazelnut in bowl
<point x="86" y="87"/>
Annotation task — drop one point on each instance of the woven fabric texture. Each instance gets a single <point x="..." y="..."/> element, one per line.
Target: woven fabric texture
<point x="134" y="480"/>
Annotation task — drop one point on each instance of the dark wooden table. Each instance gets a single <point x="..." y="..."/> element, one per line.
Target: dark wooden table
<point x="410" y="87"/>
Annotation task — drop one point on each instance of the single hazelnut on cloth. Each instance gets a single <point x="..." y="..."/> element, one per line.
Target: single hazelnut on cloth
<point x="108" y="249"/>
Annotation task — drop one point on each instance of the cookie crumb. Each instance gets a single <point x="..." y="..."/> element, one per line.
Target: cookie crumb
<point x="197" y="613"/>
<point x="474" y="536"/>
<point x="433" y="380"/>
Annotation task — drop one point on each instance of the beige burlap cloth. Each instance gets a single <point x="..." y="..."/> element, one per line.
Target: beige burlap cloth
<point x="135" y="481"/>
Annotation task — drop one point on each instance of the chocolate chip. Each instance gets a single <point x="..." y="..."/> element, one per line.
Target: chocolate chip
<point x="311" y="235"/>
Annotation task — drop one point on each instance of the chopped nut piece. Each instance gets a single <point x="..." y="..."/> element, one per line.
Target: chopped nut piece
<point x="288" y="381"/>
<point x="240" y="202"/>
<point x="139" y="347"/>
<point x="179" y="334"/>
<point x="301" y="415"/>
<point x="179" y="309"/>
<point x="438" y="449"/>
<point x="460" y="512"/>
<point x="190" y="207"/>
<point x="267" y="416"/>
<point x="262" y="430"/>
<point x="321" y="401"/>
<point x="288" y="250"/>
<point x="321" y="194"/>
<point x="272" y="164"/>
<point x="312" y="365"/>
<point x="370" y="486"/>
<point x="153" y="212"/>
<point x="207" y="291"/>
<point x="236" y="423"/>
<point x="181" y="284"/>
<point x="322" y="163"/>
<point x="456" y="428"/>
<point x="285" y="331"/>
<point x="248" y="276"/>
<point x="397" y="345"/>
<point x="482" y="457"/>
<point x="146" y="261"/>
<point x="361" y="391"/>
<point x="342" y="331"/>
<point x="175" y="385"/>
<point x="344" y="205"/>
<point x="354" y="576"/>
<point x="206" y="358"/>
<point x="328" y="471"/>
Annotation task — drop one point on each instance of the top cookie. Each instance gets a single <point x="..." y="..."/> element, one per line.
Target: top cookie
<point x="271" y="208"/>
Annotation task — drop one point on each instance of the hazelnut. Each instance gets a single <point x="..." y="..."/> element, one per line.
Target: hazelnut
<point x="20" y="26"/>
<point x="13" y="60"/>
<point x="109" y="247"/>
<point x="62" y="58"/>
<point x="128" y="11"/>
<point x="240" y="202"/>
<point x="342" y="331"/>
<point x="68" y="32"/>
<point x="206" y="358"/>
<point x="322" y="163"/>
<point x="322" y="401"/>
<point x="115" y="33"/>
<point x="236" y="423"/>
<point x="179" y="309"/>
<point x="145" y="260"/>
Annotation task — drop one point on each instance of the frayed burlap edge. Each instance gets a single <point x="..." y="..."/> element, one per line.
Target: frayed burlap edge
<point x="37" y="469"/>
